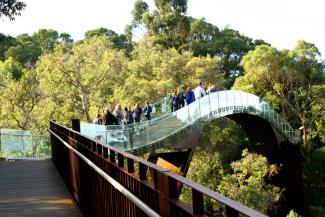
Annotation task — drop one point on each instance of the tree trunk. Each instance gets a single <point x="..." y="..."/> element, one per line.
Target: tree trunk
<point x="85" y="107"/>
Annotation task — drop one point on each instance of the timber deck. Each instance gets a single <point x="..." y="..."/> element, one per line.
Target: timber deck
<point x="34" y="189"/>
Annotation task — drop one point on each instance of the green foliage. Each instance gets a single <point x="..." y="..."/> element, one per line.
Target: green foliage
<point x="10" y="69"/>
<point x="314" y="176"/>
<point x="139" y="8"/>
<point x="155" y="71"/>
<point x="243" y="180"/>
<point x="168" y="25"/>
<point x="76" y="79"/>
<point x="80" y="77"/>
<point x="6" y="41"/>
<point x="316" y="211"/>
<point x="293" y="214"/>
<point x="292" y="81"/>
<point x="115" y="41"/>
<point x="11" y="8"/>
<point x="26" y="50"/>
<point x="213" y="166"/>
<point x="219" y="145"/>
<point x="223" y="137"/>
<point x="23" y="104"/>
<point x="247" y="184"/>
<point x="66" y="37"/>
<point x="46" y="39"/>
<point x="175" y="6"/>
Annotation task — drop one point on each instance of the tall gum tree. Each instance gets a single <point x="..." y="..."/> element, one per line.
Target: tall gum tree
<point x="292" y="81"/>
<point x="80" y="77"/>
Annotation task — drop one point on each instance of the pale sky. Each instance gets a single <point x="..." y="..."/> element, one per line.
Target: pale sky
<point x="279" y="22"/>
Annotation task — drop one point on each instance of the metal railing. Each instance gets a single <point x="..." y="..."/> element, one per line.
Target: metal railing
<point x="153" y="185"/>
<point x="214" y="105"/>
<point x="109" y="179"/>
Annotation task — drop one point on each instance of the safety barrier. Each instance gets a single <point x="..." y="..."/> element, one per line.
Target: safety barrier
<point x="153" y="185"/>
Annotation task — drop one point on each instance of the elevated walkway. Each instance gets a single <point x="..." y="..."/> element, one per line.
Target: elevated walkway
<point x="33" y="188"/>
<point x="182" y="123"/>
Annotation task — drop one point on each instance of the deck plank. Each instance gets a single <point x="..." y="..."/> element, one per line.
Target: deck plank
<point x="34" y="189"/>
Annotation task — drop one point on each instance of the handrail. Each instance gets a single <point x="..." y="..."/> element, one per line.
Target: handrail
<point x="146" y="209"/>
<point x="161" y="183"/>
<point x="215" y="195"/>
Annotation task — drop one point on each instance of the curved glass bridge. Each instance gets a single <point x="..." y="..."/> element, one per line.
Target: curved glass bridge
<point x="187" y="119"/>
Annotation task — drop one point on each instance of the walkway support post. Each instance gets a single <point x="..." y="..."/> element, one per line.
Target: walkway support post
<point x="76" y="125"/>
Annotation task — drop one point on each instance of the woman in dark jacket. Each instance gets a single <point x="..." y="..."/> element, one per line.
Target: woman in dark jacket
<point x="174" y="101"/>
<point x="110" y="119"/>
<point x="147" y="111"/>
<point x="137" y="111"/>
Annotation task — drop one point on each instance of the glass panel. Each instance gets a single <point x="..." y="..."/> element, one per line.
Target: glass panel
<point x="166" y="123"/>
<point x="23" y="143"/>
<point x="214" y="101"/>
<point x="194" y="110"/>
<point x="204" y="106"/>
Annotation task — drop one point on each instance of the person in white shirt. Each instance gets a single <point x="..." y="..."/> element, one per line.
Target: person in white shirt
<point x="199" y="91"/>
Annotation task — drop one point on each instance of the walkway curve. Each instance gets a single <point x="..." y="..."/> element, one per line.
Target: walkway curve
<point x="190" y="118"/>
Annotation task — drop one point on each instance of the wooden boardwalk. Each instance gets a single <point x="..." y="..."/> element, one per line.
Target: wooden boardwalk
<point x="34" y="189"/>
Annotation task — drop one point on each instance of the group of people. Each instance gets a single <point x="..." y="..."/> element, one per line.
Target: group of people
<point x="129" y="116"/>
<point x="177" y="99"/>
<point x="120" y="117"/>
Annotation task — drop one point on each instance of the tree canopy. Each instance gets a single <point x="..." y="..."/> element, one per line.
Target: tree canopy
<point x="292" y="81"/>
<point x="11" y="8"/>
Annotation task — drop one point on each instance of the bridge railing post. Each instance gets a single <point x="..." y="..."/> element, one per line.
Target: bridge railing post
<point x="231" y="212"/>
<point x="197" y="202"/>
<point x="167" y="188"/>
<point x="76" y="125"/>
<point x="142" y="171"/>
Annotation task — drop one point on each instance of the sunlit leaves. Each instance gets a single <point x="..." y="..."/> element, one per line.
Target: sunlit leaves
<point x="292" y="81"/>
<point x="247" y="184"/>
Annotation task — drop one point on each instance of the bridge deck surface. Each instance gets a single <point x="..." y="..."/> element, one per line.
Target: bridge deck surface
<point x="34" y="188"/>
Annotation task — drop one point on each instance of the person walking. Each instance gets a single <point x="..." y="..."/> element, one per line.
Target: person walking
<point x="137" y="111"/>
<point x="118" y="114"/>
<point x="199" y="91"/>
<point x="181" y="98"/>
<point x="110" y="119"/>
<point x="213" y="88"/>
<point x="147" y="111"/>
<point x="174" y="101"/>
<point x="190" y="97"/>
<point x="98" y="119"/>
<point x="128" y="116"/>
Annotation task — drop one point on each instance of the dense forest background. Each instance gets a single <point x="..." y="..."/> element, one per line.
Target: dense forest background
<point x="47" y="75"/>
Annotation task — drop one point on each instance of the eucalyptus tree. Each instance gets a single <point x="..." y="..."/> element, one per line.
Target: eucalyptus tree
<point x="155" y="71"/>
<point x="116" y="41"/>
<point x="6" y="41"/>
<point x="168" y="24"/>
<point x="81" y="78"/>
<point x="292" y="81"/>
<point x="46" y="39"/>
<point x="25" y="50"/>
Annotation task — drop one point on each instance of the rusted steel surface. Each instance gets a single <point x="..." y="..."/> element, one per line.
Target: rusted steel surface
<point x="155" y="186"/>
<point x="34" y="189"/>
